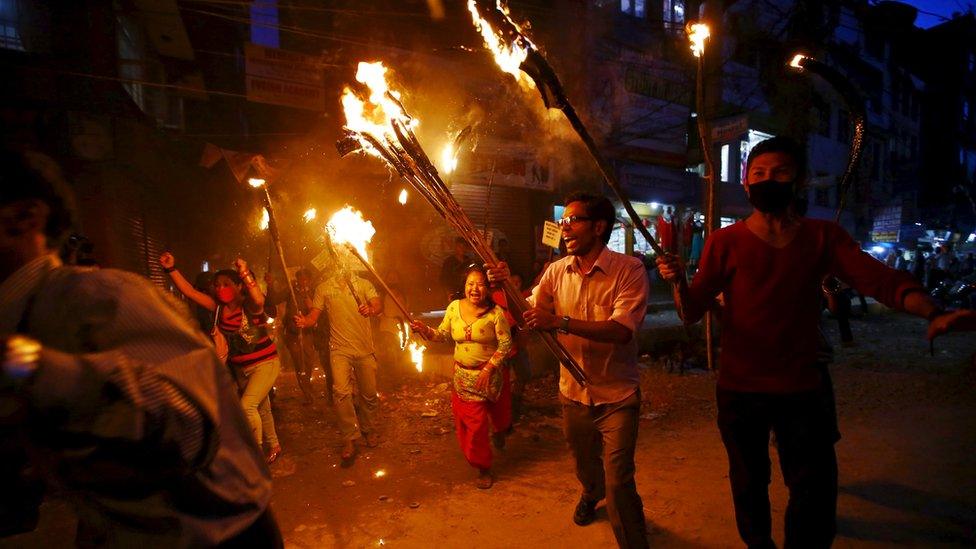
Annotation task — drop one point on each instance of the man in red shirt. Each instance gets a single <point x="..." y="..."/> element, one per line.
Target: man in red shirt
<point x="773" y="374"/>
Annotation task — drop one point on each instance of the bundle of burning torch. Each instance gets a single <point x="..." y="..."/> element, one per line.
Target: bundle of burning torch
<point x="377" y="124"/>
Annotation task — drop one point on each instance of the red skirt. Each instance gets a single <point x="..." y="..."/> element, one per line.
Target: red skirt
<point x="472" y="421"/>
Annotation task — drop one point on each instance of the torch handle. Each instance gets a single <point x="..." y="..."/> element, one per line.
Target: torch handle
<point x="711" y="209"/>
<point x="855" y="103"/>
<point x="275" y="237"/>
<point x="607" y="171"/>
<point x="711" y="206"/>
<point x="386" y="288"/>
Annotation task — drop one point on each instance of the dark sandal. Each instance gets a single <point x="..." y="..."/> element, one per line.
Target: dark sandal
<point x="348" y="458"/>
<point x="484" y="480"/>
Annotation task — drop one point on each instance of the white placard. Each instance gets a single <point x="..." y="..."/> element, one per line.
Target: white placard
<point x="551" y="234"/>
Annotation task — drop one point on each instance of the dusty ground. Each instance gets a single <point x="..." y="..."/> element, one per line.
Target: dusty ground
<point x="908" y="458"/>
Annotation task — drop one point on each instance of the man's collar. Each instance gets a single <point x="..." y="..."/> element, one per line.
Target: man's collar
<point x="17" y="289"/>
<point x="602" y="262"/>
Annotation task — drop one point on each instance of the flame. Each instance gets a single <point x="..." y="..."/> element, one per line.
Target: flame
<point x="379" y="473"/>
<point x="309" y="214"/>
<point x="697" y="34"/>
<point x="508" y="55"/>
<point x="256" y="182"/>
<point x="374" y="115"/>
<point x="402" y="199"/>
<point x="403" y="334"/>
<point x="797" y="61"/>
<point x="449" y="159"/>
<point x="417" y="355"/>
<point x="265" y="219"/>
<point x="347" y="226"/>
<point x="270" y="321"/>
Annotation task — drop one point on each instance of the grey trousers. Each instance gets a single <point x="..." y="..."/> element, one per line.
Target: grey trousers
<point x="354" y="393"/>
<point x="602" y="439"/>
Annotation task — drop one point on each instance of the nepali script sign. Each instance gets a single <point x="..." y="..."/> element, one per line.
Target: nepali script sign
<point x="550" y="234"/>
<point x="285" y="78"/>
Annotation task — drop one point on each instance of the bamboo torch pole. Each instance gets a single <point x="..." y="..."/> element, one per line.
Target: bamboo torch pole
<point x="698" y="34"/>
<point x="276" y="238"/>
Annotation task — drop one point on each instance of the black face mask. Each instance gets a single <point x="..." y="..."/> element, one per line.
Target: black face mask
<point x="770" y="196"/>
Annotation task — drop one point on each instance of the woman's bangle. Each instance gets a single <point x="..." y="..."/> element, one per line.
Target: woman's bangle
<point x="168" y="270"/>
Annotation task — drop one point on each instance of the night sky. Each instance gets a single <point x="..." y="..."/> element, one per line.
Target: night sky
<point x="939" y="10"/>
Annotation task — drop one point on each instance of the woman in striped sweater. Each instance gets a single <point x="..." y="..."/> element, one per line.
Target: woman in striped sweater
<point x="241" y="322"/>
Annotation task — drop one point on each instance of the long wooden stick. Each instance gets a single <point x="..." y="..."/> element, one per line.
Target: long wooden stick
<point x="711" y="191"/>
<point x="386" y="288"/>
<point x="276" y="238"/>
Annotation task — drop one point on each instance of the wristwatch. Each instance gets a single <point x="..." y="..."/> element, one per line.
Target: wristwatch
<point x="564" y="326"/>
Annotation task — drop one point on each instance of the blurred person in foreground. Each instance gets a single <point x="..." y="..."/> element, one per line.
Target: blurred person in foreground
<point x="773" y="375"/>
<point x="123" y="405"/>
<point x="482" y="395"/>
<point x="596" y="299"/>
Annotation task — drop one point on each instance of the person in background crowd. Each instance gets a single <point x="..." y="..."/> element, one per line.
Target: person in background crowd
<point x="518" y="356"/>
<point x="79" y="250"/>
<point x="968" y="265"/>
<point x="900" y="260"/>
<point x="481" y="399"/>
<point x="241" y="325"/>
<point x="773" y="375"/>
<point x="300" y="341"/>
<point x="919" y="267"/>
<point x="452" y="269"/>
<point x="938" y="267"/>
<point x="697" y="243"/>
<point x="120" y="402"/>
<point x="352" y="354"/>
<point x="504" y="252"/>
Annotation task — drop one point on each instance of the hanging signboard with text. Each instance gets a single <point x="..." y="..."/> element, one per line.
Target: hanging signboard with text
<point x="285" y="78"/>
<point x="725" y="130"/>
<point x="504" y="164"/>
<point x="887" y="223"/>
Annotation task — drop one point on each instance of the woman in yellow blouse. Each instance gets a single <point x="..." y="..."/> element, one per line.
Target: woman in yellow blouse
<point x="482" y="392"/>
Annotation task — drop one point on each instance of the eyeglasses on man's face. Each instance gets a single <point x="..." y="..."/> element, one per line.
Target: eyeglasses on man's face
<point x="572" y="220"/>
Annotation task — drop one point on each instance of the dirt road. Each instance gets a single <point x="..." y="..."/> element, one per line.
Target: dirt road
<point x="907" y="462"/>
<point x="908" y="458"/>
